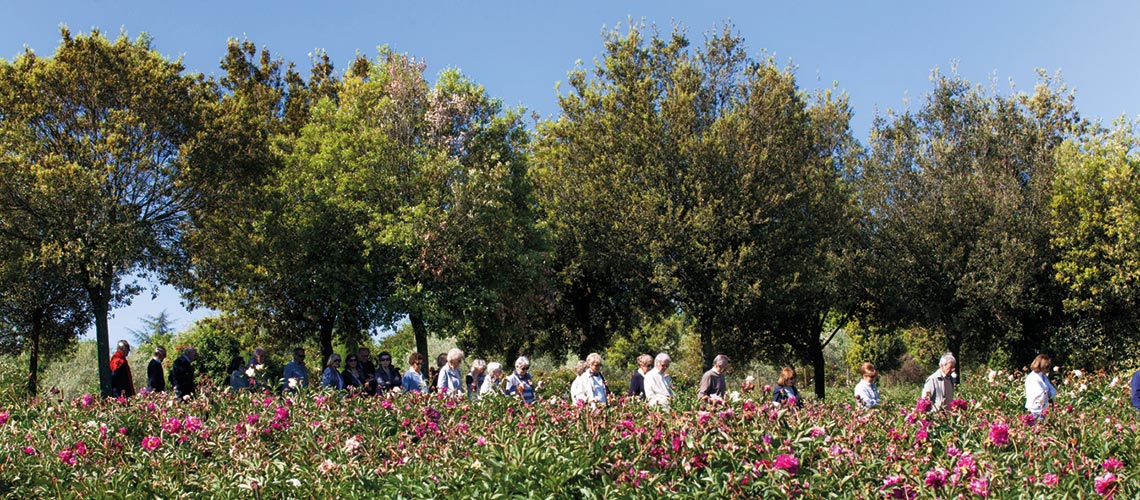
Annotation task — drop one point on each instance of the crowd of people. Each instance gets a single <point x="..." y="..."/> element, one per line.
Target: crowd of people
<point x="650" y="381"/>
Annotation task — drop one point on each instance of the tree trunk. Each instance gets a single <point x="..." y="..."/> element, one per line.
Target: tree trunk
<point x="817" y="367"/>
<point x="954" y="339"/>
<point x="708" y="350"/>
<point x="326" y="334"/>
<point x="420" y="330"/>
<point x="34" y="359"/>
<point x="100" y="304"/>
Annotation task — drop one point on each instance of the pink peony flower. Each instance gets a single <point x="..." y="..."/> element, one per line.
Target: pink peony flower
<point x="936" y="478"/>
<point x="481" y="441"/>
<point x="959" y="404"/>
<point x="171" y="426"/>
<point x="980" y="486"/>
<point x="787" y="463"/>
<point x="86" y="400"/>
<point x="924" y="405"/>
<point x="1107" y="485"/>
<point x="151" y="443"/>
<point x="1050" y="479"/>
<point x="28" y="450"/>
<point x="999" y="434"/>
<point x="192" y="424"/>
<point x="1112" y="465"/>
<point x="703" y="417"/>
<point x="4" y="416"/>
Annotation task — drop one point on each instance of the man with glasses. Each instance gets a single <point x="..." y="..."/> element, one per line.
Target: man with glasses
<point x="296" y="373"/>
<point x="658" y="386"/>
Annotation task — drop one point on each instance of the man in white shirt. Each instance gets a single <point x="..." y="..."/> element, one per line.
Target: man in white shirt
<point x="658" y="387"/>
<point x="590" y="387"/>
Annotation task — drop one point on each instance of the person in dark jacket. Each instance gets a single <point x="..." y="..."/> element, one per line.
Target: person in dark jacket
<point x="637" y="381"/>
<point x="122" y="383"/>
<point x="387" y="376"/>
<point x="182" y="373"/>
<point x="155" y="379"/>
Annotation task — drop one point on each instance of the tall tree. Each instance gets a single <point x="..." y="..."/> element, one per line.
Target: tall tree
<point x="1095" y="230"/>
<point x="700" y="180"/>
<point x="956" y="201"/>
<point x="94" y="138"/>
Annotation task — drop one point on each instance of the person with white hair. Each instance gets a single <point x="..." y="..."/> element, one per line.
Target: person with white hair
<point x="450" y="381"/>
<point x="491" y="383"/>
<point x="475" y="378"/>
<point x="712" y="386"/>
<point x="521" y="383"/>
<point x="658" y="386"/>
<point x="590" y="387"/>
<point x="939" y="386"/>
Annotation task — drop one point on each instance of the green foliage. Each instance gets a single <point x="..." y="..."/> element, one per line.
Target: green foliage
<point x="650" y="338"/>
<point x="1096" y="226"/>
<point x="216" y="346"/>
<point x="956" y="200"/>
<point x="880" y="346"/>
<point x="93" y="140"/>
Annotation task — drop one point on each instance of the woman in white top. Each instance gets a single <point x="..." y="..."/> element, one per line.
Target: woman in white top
<point x="658" y="387"/>
<point x="1039" y="392"/>
<point x="492" y="383"/>
<point x="867" y="391"/>
<point x="589" y="387"/>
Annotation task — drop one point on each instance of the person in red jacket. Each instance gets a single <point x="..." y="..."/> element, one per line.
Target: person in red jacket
<point x="122" y="384"/>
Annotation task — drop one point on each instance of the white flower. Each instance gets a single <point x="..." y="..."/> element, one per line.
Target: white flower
<point x="1115" y="380"/>
<point x="259" y="367"/>
<point x="1077" y="373"/>
<point x="294" y="383"/>
<point x="92" y="423"/>
<point x="734" y="396"/>
<point x="749" y="379"/>
<point x="476" y="464"/>
<point x="993" y="373"/>
<point x="352" y="444"/>
<point x="294" y="482"/>
<point x="1056" y="369"/>
<point x="1084" y="387"/>
<point x="249" y="372"/>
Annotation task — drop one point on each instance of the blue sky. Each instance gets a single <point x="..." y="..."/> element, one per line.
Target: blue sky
<point x="880" y="53"/>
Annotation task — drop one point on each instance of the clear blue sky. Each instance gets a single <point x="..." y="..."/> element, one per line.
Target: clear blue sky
<point x="880" y="52"/>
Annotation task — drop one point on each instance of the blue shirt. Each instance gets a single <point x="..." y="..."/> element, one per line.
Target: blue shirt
<point x="298" y="371"/>
<point x="1136" y="390"/>
<point x="413" y="381"/>
<point x="520" y="384"/>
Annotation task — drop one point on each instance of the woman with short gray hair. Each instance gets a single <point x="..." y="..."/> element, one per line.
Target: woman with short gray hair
<point x="520" y="383"/>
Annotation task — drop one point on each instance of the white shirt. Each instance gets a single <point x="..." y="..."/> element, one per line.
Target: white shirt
<point x="866" y="393"/>
<point x="658" y="388"/>
<point x="588" y="388"/>
<point x="1038" y="392"/>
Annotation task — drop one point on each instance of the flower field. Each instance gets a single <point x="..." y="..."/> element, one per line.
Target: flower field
<point x="322" y="445"/>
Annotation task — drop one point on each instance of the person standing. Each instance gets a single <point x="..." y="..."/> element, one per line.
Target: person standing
<point x="182" y="374"/>
<point x="712" y="386"/>
<point x="939" y="386"/>
<point x="658" y="386"/>
<point x="1039" y="392"/>
<point x="1135" y="388"/>
<point x="491" y="383"/>
<point x="637" y="381"/>
<point x="122" y="383"/>
<point x="352" y="375"/>
<point x="475" y="378"/>
<point x="366" y="369"/>
<point x="155" y="378"/>
<point x="867" y="391"/>
<point x="239" y="378"/>
<point x="450" y="380"/>
<point x="520" y="382"/>
<point x="786" y="388"/>
<point x="296" y="374"/>
<point x="331" y="376"/>
<point x="413" y="380"/>
<point x="387" y="375"/>
<point x="589" y="387"/>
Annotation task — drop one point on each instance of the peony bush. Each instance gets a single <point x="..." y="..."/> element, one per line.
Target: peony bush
<point x="326" y="445"/>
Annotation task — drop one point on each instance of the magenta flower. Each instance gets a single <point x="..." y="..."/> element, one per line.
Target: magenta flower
<point x="980" y="486"/>
<point x="936" y="478"/>
<point x="67" y="456"/>
<point x="192" y="424"/>
<point x="703" y="417"/>
<point x="4" y="416"/>
<point x="787" y="463"/>
<point x="959" y="404"/>
<point x="481" y="441"/>
<point x="171" y="426"/>
<point x="151" y="443"/>
<point x="1112" y="464"/>
<point x="999" y="434"/>
<point x="1107" y="485"/>
<point x="28" y="450"/>
<point x="86" y="400"/>
<point x="924" y="405"/>
<point x="1050" y="479"/>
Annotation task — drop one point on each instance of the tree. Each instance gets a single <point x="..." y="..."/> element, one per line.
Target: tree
<point x="955" y="201"/>
<point x="94" y="140"/>
<point x="1095" y="229"/>
<point x="158" y="328"/>
<point x="41" y="312"/>
<point x="699" y="180"/>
